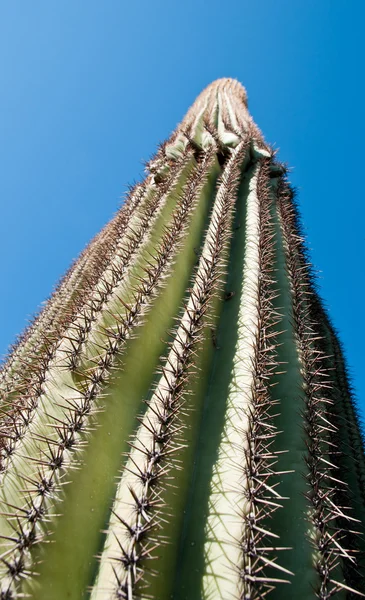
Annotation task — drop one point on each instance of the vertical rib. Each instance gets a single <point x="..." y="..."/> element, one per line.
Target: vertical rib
<point x="323" y="479"/>
<point x="132" y="528"/>
<point x="233" y="513"/>
<point x="55" y="439"/>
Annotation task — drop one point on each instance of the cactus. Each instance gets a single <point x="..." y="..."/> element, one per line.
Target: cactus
<point x="178" y="420"/>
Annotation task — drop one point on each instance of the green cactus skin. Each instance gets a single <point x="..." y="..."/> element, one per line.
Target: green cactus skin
<point x="178" y="421"/>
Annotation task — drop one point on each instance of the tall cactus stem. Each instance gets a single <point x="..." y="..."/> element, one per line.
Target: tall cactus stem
<point x="178" y="421"/>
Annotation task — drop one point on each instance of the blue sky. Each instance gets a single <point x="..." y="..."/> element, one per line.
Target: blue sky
<point x="89" y="88"/>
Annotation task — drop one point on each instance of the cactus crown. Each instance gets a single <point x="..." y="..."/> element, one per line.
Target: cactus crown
<point x="178" y="421"/>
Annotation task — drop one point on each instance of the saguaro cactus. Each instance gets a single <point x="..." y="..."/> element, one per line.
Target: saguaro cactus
<point x="178" y="421"/>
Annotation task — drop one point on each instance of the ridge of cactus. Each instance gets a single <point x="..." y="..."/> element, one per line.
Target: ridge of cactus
<point x="231" y="540"/>
<point x="155" y="444"/>
<point x="321" y="473"/>
<point x="178" y="420"/>
<point x="348" y="438"/>
<point x="77" y="407"/>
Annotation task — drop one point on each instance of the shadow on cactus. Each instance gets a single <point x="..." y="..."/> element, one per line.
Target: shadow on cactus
<point x="178" y="421"/>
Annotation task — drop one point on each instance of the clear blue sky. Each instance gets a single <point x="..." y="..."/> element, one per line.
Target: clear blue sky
<point x="88" y="89"/>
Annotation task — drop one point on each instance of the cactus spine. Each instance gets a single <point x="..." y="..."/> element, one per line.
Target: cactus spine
<point x="183" y="397"/>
